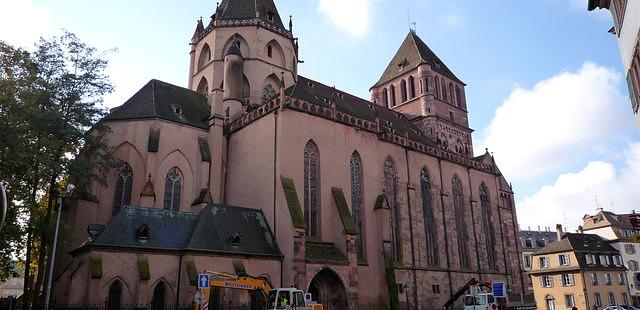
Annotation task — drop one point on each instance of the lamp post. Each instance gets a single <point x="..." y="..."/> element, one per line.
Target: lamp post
<point x="60" y="201"/>
<point x="4" y="206"/>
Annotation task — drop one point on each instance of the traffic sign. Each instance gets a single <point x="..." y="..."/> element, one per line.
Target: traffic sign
<point x="203" y="280"/>
<point x="498" y="289"/>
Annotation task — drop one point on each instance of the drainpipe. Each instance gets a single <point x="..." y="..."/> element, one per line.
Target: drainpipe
<point x="413" y="251"/>
<point x="179" y="278"/>
<point x="275" y="187"/>
<point x="473" y="222"/>
<point x="444" y="223"/>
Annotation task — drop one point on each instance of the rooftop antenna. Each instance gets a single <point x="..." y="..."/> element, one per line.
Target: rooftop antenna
<point x="597" y="202"/>
<point x="613" y="209"/>
<point x="412" y="25"/>
<point x="564" y="216"/>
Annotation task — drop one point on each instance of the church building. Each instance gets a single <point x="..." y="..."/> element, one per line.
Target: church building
<point x="255" y="169"/>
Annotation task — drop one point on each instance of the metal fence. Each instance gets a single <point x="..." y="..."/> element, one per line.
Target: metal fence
<point x="123" y="307"/>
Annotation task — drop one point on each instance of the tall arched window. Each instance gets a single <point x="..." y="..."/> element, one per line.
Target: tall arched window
<point x="458" y="98"/>
<point x="390" y="191"/>
<point x="173" y="189"/>
<point x="311" y="189"/>
<point x="451" y="93"/>
<point x="392" y="90"/>
<point x="158" y="301"/>
<point x="270" y="51"/>
<point x="444" y="90"/>
<point x="461" y="227"/>
<point x="437" y="89"/>
<point x="114" y="299"/>
<point x="124" y="182"/>
<point x="488" y="226"/>
<point x="355" y="167"/>
<point x="385" y="98"/>
<point x="429" y="219"/>
<point x="403" y="90"/>
<point x="205" y="57"/>
<point x="412" y="87"/>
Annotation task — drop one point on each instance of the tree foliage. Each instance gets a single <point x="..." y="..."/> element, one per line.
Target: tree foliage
<point x="50" y="106"/>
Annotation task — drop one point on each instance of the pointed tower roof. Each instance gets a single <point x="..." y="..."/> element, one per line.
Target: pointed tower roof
<point x="412" y="53"/>
<point x="199" y="28"/>
<point x="250" y="9"/>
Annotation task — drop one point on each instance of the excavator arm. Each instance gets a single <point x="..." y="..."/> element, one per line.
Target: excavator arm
<point x="463" y="290"/>
<point x="248" y="283"/>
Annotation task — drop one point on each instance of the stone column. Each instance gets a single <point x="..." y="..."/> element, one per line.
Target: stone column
<point x="299" y="264"/>
<point x="352" y="286"/>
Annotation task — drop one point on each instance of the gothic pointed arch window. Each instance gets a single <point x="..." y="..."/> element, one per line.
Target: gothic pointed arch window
<point x="124" y="182"/>
<point x="403" y="90"/>
<point x="444" y="90"/>
<point x="390" y="190"/>
<point x="114" y="298"/>
<point x="392" y="90"/>
<point x="429" y="218"/>
<point x="268" y="93"/>
<point x="458" y="98"/>
<point x="311" y="189"/>
<point x="355" y="167"/>
<point x="173" y="189"/>
<point x="385" y="97"/>
<point x="437" y="89"/>
<point x="461" y="225"/>
<point x="488" y="226"/>
<point x="452" y="93"/>
<point x="205" y="57"/>
<point x="412" y="87"/>
<point x="159" y="296"/>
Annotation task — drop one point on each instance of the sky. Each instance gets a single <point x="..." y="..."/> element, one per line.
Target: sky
<point x="545" y="85"/>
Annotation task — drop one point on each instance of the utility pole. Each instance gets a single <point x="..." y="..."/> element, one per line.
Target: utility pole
<point x="4" y="205"/>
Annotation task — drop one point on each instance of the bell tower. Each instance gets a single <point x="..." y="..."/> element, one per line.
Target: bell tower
<point x="418" y="84"/>
<point x="267" y="48"/>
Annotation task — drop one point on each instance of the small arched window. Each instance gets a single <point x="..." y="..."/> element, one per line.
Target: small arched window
<point x="429" y="218"/>
<point x="311" y="189"/>
<point x="437" y="87"/>
<point x="444" y="90"/>
<point x="114" y="299"/>
<point x="159" y="296"/>
<point x="488" y="226"/>
<point x="270" y="50"/>
<point x="390" y="191"/>
<point x="458" y="98"/>
<point x="355" y="167"/>
<point x="124" y="182"/>
<point x="173" y="189"/>
<point x="385" y="97"/>
<point x="461" y="227"/>
<point x="412" y="87"/>
<point x="392" y="89"/>
<point x="205" y="57"/>
<point x="403" y="90"/>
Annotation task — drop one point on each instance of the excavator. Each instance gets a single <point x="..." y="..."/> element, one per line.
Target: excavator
<point x="483" y="301"/>
<point x="277" y="298"/>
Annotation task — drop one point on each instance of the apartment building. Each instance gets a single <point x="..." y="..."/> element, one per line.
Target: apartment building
<point x="578" y="270"/>
<point x="532" y="241"/>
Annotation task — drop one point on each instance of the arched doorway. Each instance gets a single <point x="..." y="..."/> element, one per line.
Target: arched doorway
<point x="327" y="288"/>
<point x="158" y="301"/>
<point x="114" y="299"/>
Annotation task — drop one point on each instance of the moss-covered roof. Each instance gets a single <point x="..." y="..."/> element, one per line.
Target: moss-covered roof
<point x="324" y="252"/>
<point x="343" y="209"/>
<point x="293" y="203"/>
<point x="161" y="100"/>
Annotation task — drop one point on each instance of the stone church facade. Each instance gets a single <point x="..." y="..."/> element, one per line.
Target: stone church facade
<point x="256" y="169"/>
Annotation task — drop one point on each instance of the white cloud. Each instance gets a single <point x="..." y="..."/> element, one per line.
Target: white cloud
<point x="351" y="16"/>
<point x="451" y="20"/>
<point x="22" y="22"/>
<point x="539" y="130"/>
<point x="574" y="194"/>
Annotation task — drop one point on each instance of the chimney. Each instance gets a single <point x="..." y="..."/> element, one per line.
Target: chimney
<point x="559" y="231"/>
<point x="539" y="228"/>
<point x="580" y="230"/>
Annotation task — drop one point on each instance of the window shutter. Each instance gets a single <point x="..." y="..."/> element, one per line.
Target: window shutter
<point x="571" y="280"/>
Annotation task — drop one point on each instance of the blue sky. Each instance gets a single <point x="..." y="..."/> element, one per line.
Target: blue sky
<point x="545" y="90"/>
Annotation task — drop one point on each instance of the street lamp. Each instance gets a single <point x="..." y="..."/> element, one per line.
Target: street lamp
<point x="60" y="200"/>
<point x="4" y="206"/>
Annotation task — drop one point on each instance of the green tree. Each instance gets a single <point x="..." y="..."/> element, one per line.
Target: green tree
<point x="50" y="107"/>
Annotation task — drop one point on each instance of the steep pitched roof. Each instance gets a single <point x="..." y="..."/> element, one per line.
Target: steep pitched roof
<point x="321" y="94"/>
<point x="247" y="9"/>
<point x="413" y="52"/>
<point x="158" y="99"/>
<point x="216" y="229"/>
<point x="578" y="242"/>
<point x="605" y="219"/>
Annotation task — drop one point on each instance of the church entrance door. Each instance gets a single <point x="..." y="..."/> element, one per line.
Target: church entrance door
<point x="327" y="288"/>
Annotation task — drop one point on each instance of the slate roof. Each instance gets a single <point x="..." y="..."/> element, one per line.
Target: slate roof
<point x="156" y="100"/>
<point x="246" y="9"/>
<point x="538" y="237"/>
<point x="324" y="252"/>
<point x="212" y="230"/>
<point x="605" y="219"/>
<point x="578" y="242"/>
<point x="321" y="94"/>
<point x="412" y="53"/>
